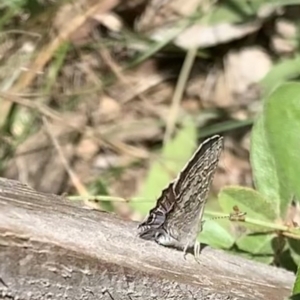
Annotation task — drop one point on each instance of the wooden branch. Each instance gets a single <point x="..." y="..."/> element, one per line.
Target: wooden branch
<point x="52" y="249"/>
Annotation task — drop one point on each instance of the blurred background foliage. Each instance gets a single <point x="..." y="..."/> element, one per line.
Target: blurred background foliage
<point x="107" y="100"/>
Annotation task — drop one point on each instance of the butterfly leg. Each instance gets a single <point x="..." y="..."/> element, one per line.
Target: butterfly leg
<point x="197" y="251"/>
<point x="185" y="250"/>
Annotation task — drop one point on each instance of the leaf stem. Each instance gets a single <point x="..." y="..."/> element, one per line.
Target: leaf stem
<point x="285" y="230"/>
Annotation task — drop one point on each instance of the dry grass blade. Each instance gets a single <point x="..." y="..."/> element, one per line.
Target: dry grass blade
<point x="45" y="54"/>
<point x="118" y="73"/>
<point x="74" y="178"/>
<point x="179" y="90"/>
<point x="117" y="146"/>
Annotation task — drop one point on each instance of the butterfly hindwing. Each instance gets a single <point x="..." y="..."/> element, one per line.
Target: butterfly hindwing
<point x="157" y="215"/>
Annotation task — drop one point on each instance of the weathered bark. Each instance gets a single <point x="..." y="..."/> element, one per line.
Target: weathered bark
<point x="52" y="249"/>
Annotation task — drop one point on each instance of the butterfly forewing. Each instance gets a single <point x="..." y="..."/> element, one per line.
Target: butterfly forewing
<point x="203" y="161"/>
<point x="191" y="188"/>
<point x="176" y="218"/>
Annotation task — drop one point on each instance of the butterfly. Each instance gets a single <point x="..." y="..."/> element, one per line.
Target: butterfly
<point x="176" y="219"/>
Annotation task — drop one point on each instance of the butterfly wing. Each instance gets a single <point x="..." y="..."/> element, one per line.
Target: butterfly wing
<point x="181" y="204"/>
<point x="157" y="215"/>
<point x="191" y="188"/>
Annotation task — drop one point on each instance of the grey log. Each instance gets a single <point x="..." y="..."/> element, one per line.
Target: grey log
<point x="53" y="249"/>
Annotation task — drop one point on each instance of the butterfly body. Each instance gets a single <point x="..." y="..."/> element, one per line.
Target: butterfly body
<point x="176" y="220"/>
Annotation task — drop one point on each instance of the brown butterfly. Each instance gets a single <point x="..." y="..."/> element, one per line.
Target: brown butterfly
<point x="176" y="220"/>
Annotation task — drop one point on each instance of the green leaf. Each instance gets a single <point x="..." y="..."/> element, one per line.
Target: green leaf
<point x="294" y="245"/>
<point x="55" y="67"/>
<point x="281" y="72"/>
<point x="260" y="258"/>
<point x="282" y="127"/>
<point x="233" y="12"/>
<point x="224" y="127"/>
<point x="296" y="287"/>
<point x="215" y="235"/>
<point x="236" y="11"/>
<point x="248" y="200"/>
<point x="294" y="251"/>
<point x="263" y="165"/>
<point x="257" y="244"/>
<point x="175" y="154"/>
